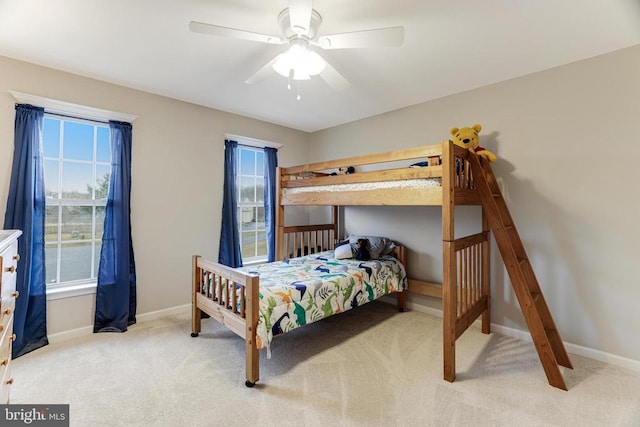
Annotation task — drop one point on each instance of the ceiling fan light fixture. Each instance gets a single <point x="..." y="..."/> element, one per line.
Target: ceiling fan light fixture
<point x="304" y="62"/>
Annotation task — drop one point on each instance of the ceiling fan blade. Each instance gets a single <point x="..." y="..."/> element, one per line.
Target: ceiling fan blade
<point x="300" y="15"/>
<point x="333" y="78"/>
<point x="216" y="30"/>
<point x="382" y="37"/>
<point x="262" y="73"/>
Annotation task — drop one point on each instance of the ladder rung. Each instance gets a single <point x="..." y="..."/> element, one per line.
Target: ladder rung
<point x="535" y="296"/>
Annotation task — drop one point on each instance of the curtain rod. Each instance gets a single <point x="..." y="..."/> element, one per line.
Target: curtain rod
<point x="75" y="117"/>
<point x="252" y="142"/>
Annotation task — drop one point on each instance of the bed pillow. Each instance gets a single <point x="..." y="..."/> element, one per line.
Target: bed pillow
<point x="377" y="245"/>
<point x="391" y="245"/>
<point x="343" y="251"/>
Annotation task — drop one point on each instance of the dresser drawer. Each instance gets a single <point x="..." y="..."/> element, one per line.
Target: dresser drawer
<point x="5" y="385"/>
<point x="8" y="292"/>
<point x="6" y="313"/>
<point x="5" y="349"/>
<point x="9" y="263"/>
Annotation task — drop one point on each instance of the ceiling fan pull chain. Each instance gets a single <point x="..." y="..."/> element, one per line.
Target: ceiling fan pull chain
<point x="291" y="74"/>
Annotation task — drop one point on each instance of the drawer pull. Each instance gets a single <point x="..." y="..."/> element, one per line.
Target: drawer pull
<point x="1" y="328"/>
<point x="16" y="294"/>
<point x="10" y="269"/>
<point x="7" y="311"/>
<point x="10" y="381"/>
<point x="16" y="257"/>
<point x="13" y="337"/>
<point x="5" y="362"/>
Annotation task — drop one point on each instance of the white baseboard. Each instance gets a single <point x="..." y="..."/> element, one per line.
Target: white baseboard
<point x="504" y="330"/>
<point x="141" y="318"/>
<point x="69" y="335"/>
<point x="579" y="350"/>
<point x="154" y="315"/>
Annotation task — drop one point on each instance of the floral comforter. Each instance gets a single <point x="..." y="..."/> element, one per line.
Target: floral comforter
<point x="303" y="290"/>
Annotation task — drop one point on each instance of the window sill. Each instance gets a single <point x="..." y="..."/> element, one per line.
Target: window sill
<point x="254" y="262"/>
<point x="71" y="291"/>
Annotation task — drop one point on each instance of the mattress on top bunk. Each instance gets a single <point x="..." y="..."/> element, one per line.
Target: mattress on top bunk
<point x="303" y="290"/>
<point x="364" y="186"/>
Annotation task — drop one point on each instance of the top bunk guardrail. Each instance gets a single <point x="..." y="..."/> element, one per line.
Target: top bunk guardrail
<point x="386" y="183"/>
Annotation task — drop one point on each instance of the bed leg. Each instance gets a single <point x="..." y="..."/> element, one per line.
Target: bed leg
<point x="401" y="301"/>
<point x="449" y="310"/>
<point x="196" y="321"/>
<point x="252" y="357"/>
<point x="196" y="313"/>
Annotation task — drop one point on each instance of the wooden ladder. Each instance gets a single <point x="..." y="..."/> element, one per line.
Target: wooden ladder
<point x="534" y="307"/>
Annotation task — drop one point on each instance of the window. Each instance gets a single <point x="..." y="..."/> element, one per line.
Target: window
<point x="251" y="219"/>
<point x="77" y="164"/>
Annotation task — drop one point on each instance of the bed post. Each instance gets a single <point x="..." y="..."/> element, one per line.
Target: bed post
<point x="449" y="297"/>
<point x="334" y="221"/>
<point x="196" y="314"/>
<point x="251" y="323"/>
<point x="401" y="295"/>
<point x="486" y="276"/>
<point x="279" y="216"/>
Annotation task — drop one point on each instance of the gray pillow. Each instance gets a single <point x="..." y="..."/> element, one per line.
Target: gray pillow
<point x="377" y="245"/>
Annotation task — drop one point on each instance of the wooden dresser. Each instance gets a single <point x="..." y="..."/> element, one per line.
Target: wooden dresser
<point x="8" y="264"/>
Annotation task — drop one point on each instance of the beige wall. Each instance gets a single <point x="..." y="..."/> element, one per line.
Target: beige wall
<point x="554" y="132"/>
<point x="568" y="150"/>
<point x="177" y="170"/>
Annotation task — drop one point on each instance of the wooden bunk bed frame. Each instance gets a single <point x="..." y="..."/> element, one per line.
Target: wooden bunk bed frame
<point x="465" y="289"/>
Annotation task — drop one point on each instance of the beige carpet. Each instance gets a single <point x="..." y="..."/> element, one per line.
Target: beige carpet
<point x="367" y="367"/>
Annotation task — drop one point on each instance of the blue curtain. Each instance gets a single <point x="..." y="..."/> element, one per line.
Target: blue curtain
<point x="229" y="252"/>
<point x="116" y="292"/>
<point x="26" y="212"/>
<point x="270" y="165"/>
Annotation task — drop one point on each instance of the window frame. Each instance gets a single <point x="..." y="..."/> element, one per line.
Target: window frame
<point x="255" y="259"/>
<point x="258" y="145"/>
<point x="78" y="286"/>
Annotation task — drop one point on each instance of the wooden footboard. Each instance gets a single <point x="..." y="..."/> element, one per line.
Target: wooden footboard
<point x="472" y="281"/>
<point x="465" y="292"/>
<point x="232" y="298"/>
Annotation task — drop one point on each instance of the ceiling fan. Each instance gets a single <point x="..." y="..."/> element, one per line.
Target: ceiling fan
<point x="299" y="25"/>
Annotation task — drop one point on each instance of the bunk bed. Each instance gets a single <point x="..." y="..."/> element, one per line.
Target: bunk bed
<point x="382" y="179"/>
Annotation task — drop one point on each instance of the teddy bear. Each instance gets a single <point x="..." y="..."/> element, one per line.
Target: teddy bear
<point x="468" y="138"/>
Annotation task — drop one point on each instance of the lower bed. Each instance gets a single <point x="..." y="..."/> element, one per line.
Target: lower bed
<point x="262" y="302"/>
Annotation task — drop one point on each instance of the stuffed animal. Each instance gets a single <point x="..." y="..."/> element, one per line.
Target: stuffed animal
<point x="361" y="252"/>
<point x="468" y="138"/>
<point x="344" y="171"/>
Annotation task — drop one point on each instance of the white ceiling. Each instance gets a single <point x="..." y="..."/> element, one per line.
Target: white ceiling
<point x="450" y="46"/>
